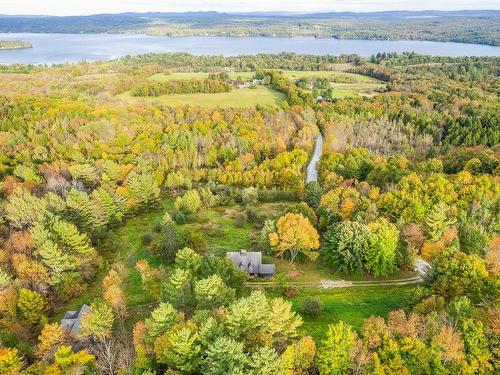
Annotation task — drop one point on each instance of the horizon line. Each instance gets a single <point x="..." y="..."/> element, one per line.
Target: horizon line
<point x="305" y="13"/>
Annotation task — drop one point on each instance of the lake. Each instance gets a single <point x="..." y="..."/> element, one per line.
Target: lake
<point x="61" y="48"/>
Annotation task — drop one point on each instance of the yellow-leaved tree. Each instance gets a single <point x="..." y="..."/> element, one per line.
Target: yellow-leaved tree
<point x="294" y="233"/>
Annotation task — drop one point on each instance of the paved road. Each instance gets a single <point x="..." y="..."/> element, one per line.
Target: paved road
<point x="312" y="173"/>
<point x="422" y="267"/>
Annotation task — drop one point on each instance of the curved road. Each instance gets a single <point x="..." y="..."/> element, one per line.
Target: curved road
<point x="312" y="173"/>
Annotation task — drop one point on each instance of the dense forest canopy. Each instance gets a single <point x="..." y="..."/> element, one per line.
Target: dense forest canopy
<point x="114" y="199"/>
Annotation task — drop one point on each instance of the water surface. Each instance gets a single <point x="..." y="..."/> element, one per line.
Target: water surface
<point x="61" y="48"/>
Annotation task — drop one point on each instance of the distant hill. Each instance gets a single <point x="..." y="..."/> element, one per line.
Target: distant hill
<point x="475" y="26"/>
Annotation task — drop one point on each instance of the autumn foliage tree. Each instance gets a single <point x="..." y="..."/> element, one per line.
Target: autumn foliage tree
<point x="295" y="234"/>
<point x="10" y="361"/>
<point x="114" y="296"/>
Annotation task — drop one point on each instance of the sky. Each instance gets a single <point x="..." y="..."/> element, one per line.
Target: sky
<point x="84" y="7"/>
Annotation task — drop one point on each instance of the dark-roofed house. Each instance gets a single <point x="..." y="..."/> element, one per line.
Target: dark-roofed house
<point x="72" y="320"/>
<point x="251" y="263"/>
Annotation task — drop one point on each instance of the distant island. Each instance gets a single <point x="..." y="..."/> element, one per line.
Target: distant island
<point x="14" y="44"/>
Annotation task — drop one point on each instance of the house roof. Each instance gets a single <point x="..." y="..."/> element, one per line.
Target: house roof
<point x="251" y="262"/>
<point x="72" y="320"/>
<point x="268" y="269"/>
<point x="245" y="258"/>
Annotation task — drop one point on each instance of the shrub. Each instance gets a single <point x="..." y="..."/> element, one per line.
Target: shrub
<point x="158" y="228"/>
<point x="179" y="217"/>
<point x="189" y="203"/>
<point x="223" y="193"/>
<point x="208" y="198"/>
<point x="282" y="285"/>
<point x="306" y="211"/>
<point x="240" y="220"/>
<point x="312" y="306"/>
<point x="252" y="214"/>
<point x="196" y="241"/>
<point x="166" y="219"/>
<point x="176" y="180"/>
<point x="291" y="291"/>
<point x="268" y="228"/>
<point x="146" y="239"/>
<point x="250" y="195"/>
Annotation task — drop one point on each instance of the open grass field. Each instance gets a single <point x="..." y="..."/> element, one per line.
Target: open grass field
<point x="351" y="305"/>
<point x="240" y="98"/>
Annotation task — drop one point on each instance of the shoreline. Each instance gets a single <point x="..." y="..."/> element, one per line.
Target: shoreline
<point x="222" y="35"/>
<point x="12" y="48"/>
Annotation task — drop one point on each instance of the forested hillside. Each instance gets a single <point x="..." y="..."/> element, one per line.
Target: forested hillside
<point x="113" y="198"/>
<point x="466" y="26"/>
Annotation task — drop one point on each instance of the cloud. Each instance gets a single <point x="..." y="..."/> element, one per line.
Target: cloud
<point x="76" y="7"/>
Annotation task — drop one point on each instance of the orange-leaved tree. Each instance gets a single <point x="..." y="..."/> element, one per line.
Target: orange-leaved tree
<point x="294" y="233"/>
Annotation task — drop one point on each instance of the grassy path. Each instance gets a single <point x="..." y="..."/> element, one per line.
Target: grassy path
<point x="339" y="283"/>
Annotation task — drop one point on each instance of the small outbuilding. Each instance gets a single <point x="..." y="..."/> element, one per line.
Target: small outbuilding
<point x="251" y="263"/>
<point x="73" y="319"/>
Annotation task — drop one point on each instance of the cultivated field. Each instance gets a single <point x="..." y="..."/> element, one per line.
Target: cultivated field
<point x="247" y="97"/>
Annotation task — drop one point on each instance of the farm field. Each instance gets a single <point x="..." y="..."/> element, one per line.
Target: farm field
<point x="358" y="84"/>
<point x="241" y="98"/>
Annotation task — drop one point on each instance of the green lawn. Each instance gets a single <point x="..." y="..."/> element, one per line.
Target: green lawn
<point x="306" y="271"/>
<point x="343" y="67"/>
<point x="123" y="245"/>
<point x="241" y="98"/>
<point x="352" y="305"/>
<point x="343" y="93"/>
